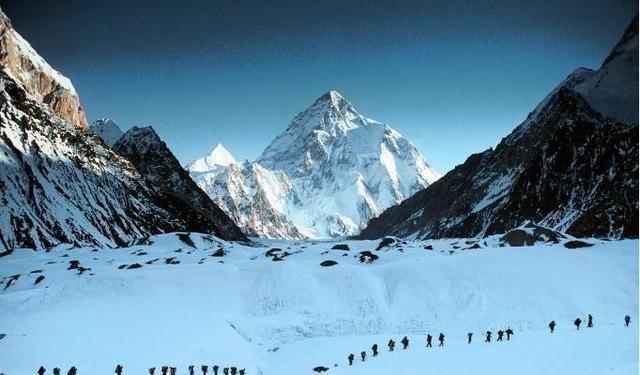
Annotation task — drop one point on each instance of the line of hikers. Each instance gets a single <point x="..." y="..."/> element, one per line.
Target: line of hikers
<point x="509" y="332"/>
<point x="164" y="370"/>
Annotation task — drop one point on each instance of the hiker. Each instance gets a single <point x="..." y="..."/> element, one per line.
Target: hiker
<point x="429" y="338"/>
<point x="590" y="321"/>
<point x="234" y="371"/>
<point x="374" y="349"/>
<point x="405" y="342"/>
<point x="391" y="345"/>
<point x="350" y="358"/>
<point x="72" y="371"/>
<point x="204" y="369"/>
<point x="56" y="371"/>
<point x="469" y="335"/>
<point x="627" y="320"/>
<point x="225" y="371"/>
<point x="215" y="368"/>
<point x="119" y="370"/>
<point x="500" y="334"/>
<point x="41" y="370"/>
<point x="164" y="370"/>
<point x="363" y="355"/>
<point x="172" y="370"/>
<point x="191" y="370"/>
<point x="509" y="333"/>
<point x="441" y="339"/>
<point x="152" y="371"/>
<point x="241" y="371"/>
<point x="488" y="339"/>
<point x="552" y="325"/>
<point x="577" y="323"/>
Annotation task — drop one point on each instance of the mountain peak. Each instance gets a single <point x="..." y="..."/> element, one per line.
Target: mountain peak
<point x="218" y="157"/>
<point x="107" y="129"/>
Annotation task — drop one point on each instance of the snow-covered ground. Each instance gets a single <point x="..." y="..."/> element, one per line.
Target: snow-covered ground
<point x="286" y="317"/>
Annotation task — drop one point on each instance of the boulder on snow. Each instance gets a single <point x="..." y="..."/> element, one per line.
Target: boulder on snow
<point x="575" y="244"/>
<point x="320" y="369"/>
<point x="328" y="263"/>
<point x="529" y="234"/>
<point x="38" y="280"/>
<point x="367" y="256"/>
<point x="387" y="241"/>
<point x="340" y="246"/>
<point x="134" y="266"/>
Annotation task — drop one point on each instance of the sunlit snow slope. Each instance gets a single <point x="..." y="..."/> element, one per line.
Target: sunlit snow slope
<point x="198" y="300"/>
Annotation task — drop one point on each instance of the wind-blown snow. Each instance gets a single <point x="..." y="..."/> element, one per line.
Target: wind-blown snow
<point x="243" y="309"/>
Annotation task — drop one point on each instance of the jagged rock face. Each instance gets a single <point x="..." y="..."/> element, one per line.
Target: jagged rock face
<point x="326" y="175"/>
<point x="60" y="184"/>
<point x="107" y="129"/>
<point x="253" y="196"/>
<point x="153" y="159"/>
<point x="44" y="83"/>
<point x="568" y="166"/>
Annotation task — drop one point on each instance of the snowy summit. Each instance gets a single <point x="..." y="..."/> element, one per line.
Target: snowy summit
<point x="326" y="175"/>
<point x="218" y="157"/>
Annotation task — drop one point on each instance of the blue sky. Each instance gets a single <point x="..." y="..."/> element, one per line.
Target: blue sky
<point x="453" y="76"/>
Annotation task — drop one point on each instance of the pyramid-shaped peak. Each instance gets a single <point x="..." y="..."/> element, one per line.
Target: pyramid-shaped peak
<point x="221" y="156"/>
<point x="218" y="157"/>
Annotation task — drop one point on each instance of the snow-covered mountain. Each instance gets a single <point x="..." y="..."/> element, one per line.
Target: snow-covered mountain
<point x="21" y="62"/>
<point x="255" y="198"/>
<point x="157" y="164"/>
<point x="571" y="165"/>
<point x="59" y="183"/>
<point x="334" y="169"/>
<point x="107" y="129"/>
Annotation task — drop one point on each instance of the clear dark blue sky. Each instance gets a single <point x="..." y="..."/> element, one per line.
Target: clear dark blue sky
<point x="452" y="76"/>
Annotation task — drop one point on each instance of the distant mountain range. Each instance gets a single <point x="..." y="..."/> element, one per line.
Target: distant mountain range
<point x="572" y="165"/>
<point x="326" y="175"/>
<point x="59" y="183"/>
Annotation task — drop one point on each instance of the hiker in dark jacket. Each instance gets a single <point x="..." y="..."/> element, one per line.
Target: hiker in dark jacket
<point x="164" y="370"/>
<point x="509" y="332"/>
<point x="405" y="342"/>
<point x="41" y="370"/>
<point x="204" y="369"/>
<point x="429" y="339"/>
<point x="590" y="321"/>
<point x="500" y="334"/>
<point x="172" y="370"/>
<point x="192" y="370"/>
<point x="350" y="358"/>
<point x="627" y="320"/>
<point x="488" y="339"/>
<point x="374" y="349"/>
<point x="363" y="355"/>
<point x="72" y="371"/>
<point x="552" y="325"/>
<point x="391" y="345"/>
<point x="577" y="323"/>
<point x="225" y="371"/>
<point x="152" y="370"/>
<point x="469" y="335"/>
<point x="56" y="371"/>
<point x="119" y="370"/>
<point x="241" y="372"/>
<point x="215" y="368"/>
<point x="234" y="371"/>
<point x="441" y="339"/>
